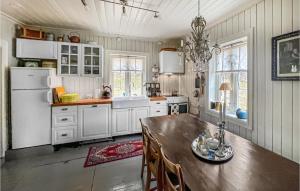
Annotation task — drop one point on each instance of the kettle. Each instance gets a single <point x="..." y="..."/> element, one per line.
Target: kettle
<point x="106" y="92"/>
<point x="74" y="37"/>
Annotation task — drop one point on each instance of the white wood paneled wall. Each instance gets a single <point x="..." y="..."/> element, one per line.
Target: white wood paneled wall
<point x="85" y="85"/>
<point x="276" y="105"/>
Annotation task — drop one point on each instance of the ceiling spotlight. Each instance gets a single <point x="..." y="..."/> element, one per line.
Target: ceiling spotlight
<point x="86" y="6"/>
<point x="124" y="4"/>
<point x="124" y="11"/>
<point x="156" y="15"/>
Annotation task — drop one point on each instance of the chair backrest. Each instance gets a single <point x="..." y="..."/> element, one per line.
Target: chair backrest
<point x="172" y="171"/>
<point x="145" y="132"/>
<point x="154" y="160"/>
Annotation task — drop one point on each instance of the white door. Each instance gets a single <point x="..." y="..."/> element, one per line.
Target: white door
<point x="31" y="118"/>
<point x="94" y="121"/>
<point x="137" y="114"/>
<point x="121" y="121"/>
<point x="40" y="49"/>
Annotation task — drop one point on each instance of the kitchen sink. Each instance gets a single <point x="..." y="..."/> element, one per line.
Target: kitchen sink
<point x="130" y="101"/>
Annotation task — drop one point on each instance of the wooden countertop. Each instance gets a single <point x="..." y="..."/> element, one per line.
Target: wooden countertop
<point x="84" y="102"/>
<point x="99" y="101"/>
<point x="252" y="167"/>
<point x="157" y="98"/>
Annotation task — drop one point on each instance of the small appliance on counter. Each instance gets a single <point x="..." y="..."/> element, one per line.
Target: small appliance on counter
<point x="153" y="89"/>
<point x="106" y="93"/>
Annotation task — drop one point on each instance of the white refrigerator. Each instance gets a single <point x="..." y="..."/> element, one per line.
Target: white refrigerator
<point x="31" y="98"/>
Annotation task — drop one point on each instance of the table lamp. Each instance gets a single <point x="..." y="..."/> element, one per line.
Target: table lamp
<point x="224" y="87"/>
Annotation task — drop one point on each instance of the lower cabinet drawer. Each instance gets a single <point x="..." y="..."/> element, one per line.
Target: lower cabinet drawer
<point x="64" y="119"/>
<point x="64" y="135"/>
<point x="158" y="111"/>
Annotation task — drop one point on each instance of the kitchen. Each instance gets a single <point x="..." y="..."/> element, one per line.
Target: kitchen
<point x="93" y="83"/>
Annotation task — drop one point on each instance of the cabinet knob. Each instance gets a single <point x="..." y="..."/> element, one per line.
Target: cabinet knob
<point x="64" y="135"/>
<point x="94" y="106"/>
<point x="157" y="111"/>
<point x="157" y="102"/>
<point x="64" y="119"/>
<point x="64" y="109"/>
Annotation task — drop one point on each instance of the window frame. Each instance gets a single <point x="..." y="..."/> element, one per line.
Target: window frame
<point x="108" y="67"/>
<point x="234" y="75"/>
<point x="246" y="123"/>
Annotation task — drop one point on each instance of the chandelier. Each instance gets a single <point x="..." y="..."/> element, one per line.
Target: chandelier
<point x="197" y="45"/>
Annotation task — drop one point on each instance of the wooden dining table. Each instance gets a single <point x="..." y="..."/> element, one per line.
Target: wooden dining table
<point x="252" y="168"/>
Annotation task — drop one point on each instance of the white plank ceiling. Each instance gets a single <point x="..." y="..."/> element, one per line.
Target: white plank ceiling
<point x="106" y="18"/>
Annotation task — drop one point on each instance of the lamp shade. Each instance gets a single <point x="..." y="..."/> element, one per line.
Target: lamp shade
<point x="225" y="87"/>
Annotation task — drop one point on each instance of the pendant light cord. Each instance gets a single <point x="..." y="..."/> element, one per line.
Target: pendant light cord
<point x="198" y="8"/>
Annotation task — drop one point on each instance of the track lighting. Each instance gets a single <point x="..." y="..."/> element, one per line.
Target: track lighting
<point x="124" y="4"/>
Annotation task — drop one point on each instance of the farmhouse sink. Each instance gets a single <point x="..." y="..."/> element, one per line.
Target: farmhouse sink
<point x="130" y="101"/>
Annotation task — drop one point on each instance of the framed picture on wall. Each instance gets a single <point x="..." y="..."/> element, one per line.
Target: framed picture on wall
<point x="286" y="56"/>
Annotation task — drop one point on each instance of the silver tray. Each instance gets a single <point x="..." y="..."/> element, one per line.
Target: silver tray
<point x="227" y="153"/>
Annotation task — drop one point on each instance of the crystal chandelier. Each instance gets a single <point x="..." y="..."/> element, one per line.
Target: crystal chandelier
<point x="197" y="45"/>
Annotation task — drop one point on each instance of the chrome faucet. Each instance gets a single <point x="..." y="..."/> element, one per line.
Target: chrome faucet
<point x="129" y="90"/>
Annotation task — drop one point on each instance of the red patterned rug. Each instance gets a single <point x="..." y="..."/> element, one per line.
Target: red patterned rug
<point x="113" y="152"/>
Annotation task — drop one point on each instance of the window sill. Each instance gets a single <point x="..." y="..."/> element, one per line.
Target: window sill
<point x="229" y="117"/>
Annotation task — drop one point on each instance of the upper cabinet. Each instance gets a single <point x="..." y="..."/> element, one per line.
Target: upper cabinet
<point x="73" y="59"/>
<point x="69" y="57"/>
<point x="39" y="49"/>
<point x="92" y="60"/>
<point x="171" y="62"/>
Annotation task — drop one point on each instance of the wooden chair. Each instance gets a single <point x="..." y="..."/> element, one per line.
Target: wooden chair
<point x="154" y="163"/>
<point x="172" y="175"/>
<point x="145" y="132"/>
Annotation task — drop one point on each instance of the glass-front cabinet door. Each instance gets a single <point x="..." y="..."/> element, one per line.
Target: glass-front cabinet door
<point x="92" y="60"/>
<point x="68" y="59"/>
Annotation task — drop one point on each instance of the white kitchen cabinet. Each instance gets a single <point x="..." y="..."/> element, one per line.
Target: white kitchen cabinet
<point x="137" y="114"/>
<point x="171" y="62"/>
<point x="94" y="122"/>
<point x="39" y="49"/>
<point x="121" y="121"/>
<point x="64" y="135"/>
<point x="158" y="108"/>
<point x="64" y="124"/>
<point x="92" y="60"/>
<point x="158" y="111"/>
<point x="69" y="59"/>
<point x="126" y="121"/>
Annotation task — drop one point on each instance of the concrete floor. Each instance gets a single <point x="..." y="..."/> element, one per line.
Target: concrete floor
<point x="29" y="170"/>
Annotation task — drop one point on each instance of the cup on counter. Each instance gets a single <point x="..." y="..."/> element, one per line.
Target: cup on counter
<point x="97" y="93"/>
<point x="89" y="96"/>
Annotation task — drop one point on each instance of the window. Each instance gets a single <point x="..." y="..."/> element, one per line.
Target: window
<point x="231" y="66"/>
<point x="127" y="75"/>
